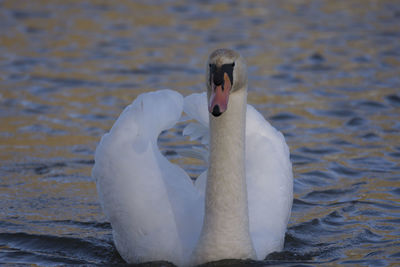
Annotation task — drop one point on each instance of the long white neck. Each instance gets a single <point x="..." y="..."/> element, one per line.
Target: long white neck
<point x="225" y="233"/>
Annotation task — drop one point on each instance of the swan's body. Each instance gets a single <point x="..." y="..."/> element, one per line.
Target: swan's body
<point x="238" y="209"/>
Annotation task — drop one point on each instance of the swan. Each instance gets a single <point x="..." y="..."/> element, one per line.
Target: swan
<point x="237" y="209"/>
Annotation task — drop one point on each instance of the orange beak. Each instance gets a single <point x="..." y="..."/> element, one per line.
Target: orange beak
<point x="219" y="97"/>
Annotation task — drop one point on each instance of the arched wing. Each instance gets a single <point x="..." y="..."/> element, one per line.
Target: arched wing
<point x="151" y="203"/>
<point x="269" y="183"/>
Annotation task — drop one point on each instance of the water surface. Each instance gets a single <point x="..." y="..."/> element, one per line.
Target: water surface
<point x="325" y="73"/>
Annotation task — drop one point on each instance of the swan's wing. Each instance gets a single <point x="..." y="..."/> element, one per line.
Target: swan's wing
<point x="151" y="203"/>
<point x="269" y="183"/>
<point x="268" y="173"/>
<point x="195" y="106"/>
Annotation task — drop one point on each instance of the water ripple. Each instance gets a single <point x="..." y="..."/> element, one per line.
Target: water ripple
<point x="325" y="74"/>
<point x="48" y="249"/>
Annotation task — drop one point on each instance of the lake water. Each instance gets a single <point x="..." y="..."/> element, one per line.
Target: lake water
<point x="325" y="73"/>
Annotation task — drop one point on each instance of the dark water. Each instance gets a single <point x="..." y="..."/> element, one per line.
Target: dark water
<point x="325" y="73"/>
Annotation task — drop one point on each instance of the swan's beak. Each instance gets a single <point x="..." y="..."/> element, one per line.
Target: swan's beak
<point x="219" y="97"/>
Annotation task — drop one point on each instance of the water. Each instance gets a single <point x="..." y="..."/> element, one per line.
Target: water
<point x="326" y="74"/>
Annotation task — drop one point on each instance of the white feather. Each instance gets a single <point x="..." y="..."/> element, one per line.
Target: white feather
<point x="155" y="210"/>
<point x="269" y="176"/>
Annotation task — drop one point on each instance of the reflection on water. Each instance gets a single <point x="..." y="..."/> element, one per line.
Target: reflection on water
<point x="326" y="74"/>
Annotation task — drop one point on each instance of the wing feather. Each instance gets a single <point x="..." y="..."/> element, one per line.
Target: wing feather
<point x="151" y="203"/>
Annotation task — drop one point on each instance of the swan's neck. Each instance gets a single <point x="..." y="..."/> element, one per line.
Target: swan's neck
<point x="225" y="232"/>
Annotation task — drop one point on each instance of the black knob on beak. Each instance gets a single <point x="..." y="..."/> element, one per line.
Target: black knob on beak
<point x="218" y="77"/>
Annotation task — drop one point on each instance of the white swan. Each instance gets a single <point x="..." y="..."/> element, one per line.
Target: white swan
<point x="239" y="209"/>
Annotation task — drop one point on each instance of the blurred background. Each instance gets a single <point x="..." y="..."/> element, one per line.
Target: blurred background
<point x="325" y="73"/>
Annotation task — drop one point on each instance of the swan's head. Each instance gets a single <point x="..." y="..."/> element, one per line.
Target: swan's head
<point x="226" y="73"/>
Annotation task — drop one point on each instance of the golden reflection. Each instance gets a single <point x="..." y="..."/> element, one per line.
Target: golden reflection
<point x="70" y="67"/>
